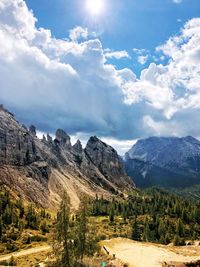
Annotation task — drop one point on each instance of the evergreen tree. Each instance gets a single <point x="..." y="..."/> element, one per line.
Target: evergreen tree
<point x="62" y="233"/>
<point x="82" y="228"/>
<point x="135" y="230"/>
<point x="147" y="232"/>
<point x="176" y="240"/>
<point x="180" y="228"/>
<point x="112" y="215"/>
<point x="1" y="227"/>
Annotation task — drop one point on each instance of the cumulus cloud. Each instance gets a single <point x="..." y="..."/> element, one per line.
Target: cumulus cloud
<point x="142" y="55"/>
<point x="69" y="84"/>
<point x="142" y="59"/>
<point x="139" y="51"/>
<point x="77" y="33"/>
<point x="176" y="86"/>
<point x="58" y="83"/>
<point x="116" y="54"/>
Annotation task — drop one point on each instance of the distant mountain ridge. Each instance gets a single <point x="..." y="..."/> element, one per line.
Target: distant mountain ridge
<point x="164" y="161"/>
<point x="41" y="170"/>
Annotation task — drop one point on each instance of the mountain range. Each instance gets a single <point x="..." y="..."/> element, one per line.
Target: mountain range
<point x="41" y="170"/>
<point x="164" y="161"/>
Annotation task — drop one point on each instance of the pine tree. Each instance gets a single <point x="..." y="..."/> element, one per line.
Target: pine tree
<point x="147" y="232"/>
<point x="180" y="228"/>
<point x="82" y="228"/>
<point x="135" y="230"/>
<point x="176" y="240"/>
<point x="161" y="230"/>
<point x="1" y="227"/>
<point x="7" y="215"/>
<point x="62" y="232"/>
<point x="112" y="215"/>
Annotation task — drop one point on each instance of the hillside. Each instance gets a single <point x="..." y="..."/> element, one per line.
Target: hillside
<point x="164" y="161"/>
<point x="41" y="170"/>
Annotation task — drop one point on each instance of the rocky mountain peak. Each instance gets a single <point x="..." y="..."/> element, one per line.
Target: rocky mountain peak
<point x="62" y="138"/>
<point x="17" y="147"/>
<point x="32" y="130"/>
<point x="3" y="109"/>
<point x="165" y="161"/>
<point x="106" y="159"/>
<point x="49" y="139"/>
<point x="41" y="170"/>
<point x="77" y="147"/>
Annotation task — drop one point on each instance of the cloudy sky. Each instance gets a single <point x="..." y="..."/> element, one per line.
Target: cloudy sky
<point x="121" y="70"/>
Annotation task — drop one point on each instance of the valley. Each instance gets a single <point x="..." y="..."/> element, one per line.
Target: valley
<point x="100" y="133"/>
<point x="59" y="199"/>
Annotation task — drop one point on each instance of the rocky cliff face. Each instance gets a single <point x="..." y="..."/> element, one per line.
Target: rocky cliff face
<point x="164" y="161"/>
<point x="107" y="160"/>
<point x="17" y="146"/>
<point x="41" y="170"/>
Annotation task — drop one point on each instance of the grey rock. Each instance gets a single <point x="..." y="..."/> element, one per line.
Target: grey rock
<point x="164" y="161"/>
<point x="77" y="147"/>
<point x="17" y="147"/>
<point x="107" y="161"/>
<point x="62" y="139"/>
<point x="49" y="139"/>
<point x="41" y="170"/>
<point x="32" y="130"/>
<point x="44" y="138"/>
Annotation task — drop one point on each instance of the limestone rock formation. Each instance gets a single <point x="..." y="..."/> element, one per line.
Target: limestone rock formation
<point x="41" y="170"/>
<point x="107" y="160"/>
<point x="62" y="139"/>
<point x="32" y="130"/>
<point x="17" y="146"/>
<point x="77" y="147"/>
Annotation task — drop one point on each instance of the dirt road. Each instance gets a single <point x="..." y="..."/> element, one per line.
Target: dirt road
<point x="25" y="252"/>
<point x="138" y="254"/>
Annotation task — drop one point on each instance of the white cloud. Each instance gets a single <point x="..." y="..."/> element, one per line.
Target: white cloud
<point x="139" y="51"/>
<point x="69" y="84"/>
<point x="78" y="33"/>
<point x="142" y="55"/>
<point x="58" y="83"/>
<point x="142" y="59"/>
<point x="122" y="146"/>
<point x="116" y="54"/>
<point x="176" y="86"/>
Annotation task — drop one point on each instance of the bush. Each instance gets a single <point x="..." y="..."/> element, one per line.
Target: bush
<point x="38" y="238"/>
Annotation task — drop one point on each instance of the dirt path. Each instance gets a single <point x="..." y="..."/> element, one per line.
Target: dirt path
<point x="25" y="252"/>
<point x="138" y="254"/>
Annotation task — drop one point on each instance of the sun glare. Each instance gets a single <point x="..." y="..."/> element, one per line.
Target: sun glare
<point x="95" y="7"/>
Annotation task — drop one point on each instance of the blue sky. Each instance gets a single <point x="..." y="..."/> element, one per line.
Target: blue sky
<point x="128" y="72"/>
<point x="127" y="24"/>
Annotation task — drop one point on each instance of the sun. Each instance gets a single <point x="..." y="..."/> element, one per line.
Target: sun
<point x="95" y="7"/>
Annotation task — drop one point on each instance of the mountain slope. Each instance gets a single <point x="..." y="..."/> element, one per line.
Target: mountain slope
<point x="164" y="161"/>
<point x="41" y="170"/>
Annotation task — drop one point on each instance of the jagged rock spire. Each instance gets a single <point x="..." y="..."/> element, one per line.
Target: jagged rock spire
<point x="77" y="147"/>
<point x="49" y="139"/>
<point x="62" y="138"/>
<point x="32" y="130"/>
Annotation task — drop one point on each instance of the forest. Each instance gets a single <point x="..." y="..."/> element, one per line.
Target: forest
<point x="155" y="215"/>
<point x="151" y="215"/>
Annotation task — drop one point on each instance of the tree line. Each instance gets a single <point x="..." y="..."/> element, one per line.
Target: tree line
<point x="155" y="215"/>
